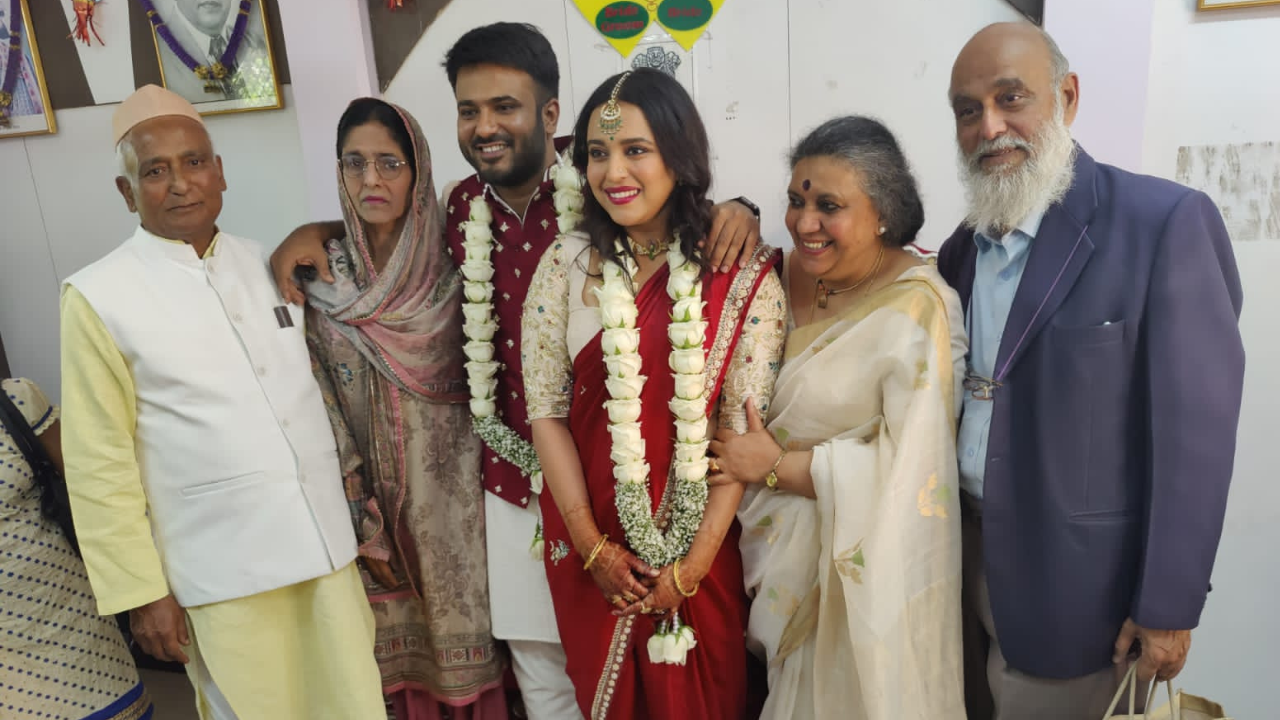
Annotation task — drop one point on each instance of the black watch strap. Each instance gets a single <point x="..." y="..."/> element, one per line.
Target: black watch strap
<point x="755" y="209"/>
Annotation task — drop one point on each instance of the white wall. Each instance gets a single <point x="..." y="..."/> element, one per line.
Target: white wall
<point x="1113" y="61"/>
<point x="1214" y="81"/>
<point x="766" y="72"/>
<point x="62" y="211"/>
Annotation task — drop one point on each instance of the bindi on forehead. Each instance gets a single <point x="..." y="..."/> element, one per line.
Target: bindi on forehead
<point x="806" y="184"/>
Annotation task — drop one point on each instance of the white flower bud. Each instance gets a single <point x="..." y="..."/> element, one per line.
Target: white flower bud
<point x="477" y="238"/>
<point x="687" y="334"/>
<point x="480" y="331"/>
<point x="482" y="388"/>
<point x="672" y="652"/>
<point x="689" y="410"/>
<point x="477" y="271"/>
<point x="478" y="292"/>
<point x="631" y="472"/>
<point x="482" y="370"/>
<point x="479" y="210"/>
<point x="477" y="312"/>
<point x="691" y="452"/>
<point x="535" y="482"/>
<point x="483" y="407"/>
<point x="537" y="548"/>
<point x="624" y="388"/>
<point x="627" y="455"/>
<point x="684" y="285"/>
<point x="623" y="411"/>
<point x="689" y="387"/>
<point x="623" y="365"/>
<point x="567" y="201"/>
<point x="691" y="432"/>
<point x="690" y="361"/>
<point x="690" y="639"/>
<point x="687" y="309"/>
<point x="479" y="351"/>
<point x="691" y="471"/>
<point x="618" y="314"/>
<point x="618" y="341"/>
<point x="626" y="434"/>
<point x="568" y="222"/>
<point x="655" y="649"/>
<point x="566" y="177"/>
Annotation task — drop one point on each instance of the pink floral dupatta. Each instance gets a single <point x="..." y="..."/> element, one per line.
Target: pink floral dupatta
<point x="407" y="320"/>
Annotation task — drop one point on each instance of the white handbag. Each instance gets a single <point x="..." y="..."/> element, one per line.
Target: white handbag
<point x="1181" y="706"/>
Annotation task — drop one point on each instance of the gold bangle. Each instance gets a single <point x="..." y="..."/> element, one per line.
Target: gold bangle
<point x="599" y="546"/>
<point x="771" y="480"/>
<point x="675" y="575"/>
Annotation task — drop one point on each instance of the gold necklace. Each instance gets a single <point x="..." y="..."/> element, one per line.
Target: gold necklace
<point x="651" y="251"/>
<point x="821" y="292"/>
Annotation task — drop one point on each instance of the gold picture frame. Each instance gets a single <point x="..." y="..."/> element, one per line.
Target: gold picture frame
<point x="29" y="108"/>
<point x="1231" y="4"/>
<point x="255" y="83"/>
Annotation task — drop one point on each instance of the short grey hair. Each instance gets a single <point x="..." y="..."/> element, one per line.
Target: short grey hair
<point x="885" y="175"/>
<point x="127" y="160"/>
<point x="1058" y="63"/>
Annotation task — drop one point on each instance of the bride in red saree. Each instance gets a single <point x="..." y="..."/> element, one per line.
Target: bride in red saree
<point x="645" y="155"/>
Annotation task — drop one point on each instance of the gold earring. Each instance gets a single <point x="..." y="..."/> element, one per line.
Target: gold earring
<point x="611" y="114"/>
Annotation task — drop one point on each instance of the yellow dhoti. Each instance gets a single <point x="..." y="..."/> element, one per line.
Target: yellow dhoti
<point x="302" y="652"/>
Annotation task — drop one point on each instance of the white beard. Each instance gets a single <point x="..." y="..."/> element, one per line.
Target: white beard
<point x="1002" y="198"/>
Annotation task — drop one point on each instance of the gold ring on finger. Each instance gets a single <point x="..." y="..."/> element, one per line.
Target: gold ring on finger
<point x="715" y="466"/>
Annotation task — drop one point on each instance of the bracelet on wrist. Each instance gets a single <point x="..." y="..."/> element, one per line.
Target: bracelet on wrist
<point x="675" y="575"/>
<point x="595" y="551"/>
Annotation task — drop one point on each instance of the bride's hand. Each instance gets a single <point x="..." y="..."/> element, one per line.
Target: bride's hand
<point x="745" y="458"/>
<point x="617" y="573"/>
<point x="664" y="597"/>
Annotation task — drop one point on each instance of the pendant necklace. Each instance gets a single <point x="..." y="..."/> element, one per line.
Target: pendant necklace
<point x="822" y="292"/>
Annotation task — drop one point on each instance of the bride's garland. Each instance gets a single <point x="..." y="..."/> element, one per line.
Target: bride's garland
<point x="687" y="332"/>
<point x="479" y="324"/>
<point x="620" y="341"/>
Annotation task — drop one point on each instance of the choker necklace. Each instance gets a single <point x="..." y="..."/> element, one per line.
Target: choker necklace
<point x="652" y="250"/>
<point x="822" y="292"/>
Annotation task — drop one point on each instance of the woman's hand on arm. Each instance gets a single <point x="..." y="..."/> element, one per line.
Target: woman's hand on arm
<point x="748" y="458"/>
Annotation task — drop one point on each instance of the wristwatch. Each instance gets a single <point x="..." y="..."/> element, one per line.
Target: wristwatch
<point x="755" y="209"/>
<point x="771" y="480"/>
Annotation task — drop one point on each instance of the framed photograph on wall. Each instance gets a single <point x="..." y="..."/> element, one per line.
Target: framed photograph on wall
<point x="216" y="53"/>
<point x="1228" y="4"/>
<point x="24" y="96"/>
<point x="1032" y="9"/>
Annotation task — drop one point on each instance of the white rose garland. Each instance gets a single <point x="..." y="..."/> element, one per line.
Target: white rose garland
<point x="620" y="341"/>
<point x="480" y="324"/>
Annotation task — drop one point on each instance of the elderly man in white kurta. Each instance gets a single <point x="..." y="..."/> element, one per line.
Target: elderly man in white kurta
<point x="202" y="471"/>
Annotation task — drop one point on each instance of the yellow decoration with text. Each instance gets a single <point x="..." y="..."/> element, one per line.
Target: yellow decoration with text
<point x="623" y="22"/>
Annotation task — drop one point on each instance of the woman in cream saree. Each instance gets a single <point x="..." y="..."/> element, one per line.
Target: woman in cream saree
<point x="851" y="549"/>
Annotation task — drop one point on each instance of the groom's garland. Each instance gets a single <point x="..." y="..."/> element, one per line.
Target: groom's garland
<point x="480" y="325"/>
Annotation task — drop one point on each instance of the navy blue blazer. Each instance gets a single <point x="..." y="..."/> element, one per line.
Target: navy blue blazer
<point x="1113" y="436"/>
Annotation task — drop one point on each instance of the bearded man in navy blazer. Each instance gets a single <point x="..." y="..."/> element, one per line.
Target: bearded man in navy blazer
<point x="1102" y="396"/>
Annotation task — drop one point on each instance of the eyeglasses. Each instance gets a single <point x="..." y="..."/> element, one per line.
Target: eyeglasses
<point x="389" y="167"/>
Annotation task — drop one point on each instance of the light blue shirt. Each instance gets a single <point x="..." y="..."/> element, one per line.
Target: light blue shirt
<point x="997" y="273"/>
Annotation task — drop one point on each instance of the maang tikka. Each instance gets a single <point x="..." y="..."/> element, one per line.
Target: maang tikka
<point x="611" y="114"/>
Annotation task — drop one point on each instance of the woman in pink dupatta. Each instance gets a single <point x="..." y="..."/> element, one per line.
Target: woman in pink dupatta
<point x="386" y="343"/>
<point x="648" y="181"/>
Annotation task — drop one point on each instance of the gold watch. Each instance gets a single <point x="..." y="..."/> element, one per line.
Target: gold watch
<point x="771" y="480"/>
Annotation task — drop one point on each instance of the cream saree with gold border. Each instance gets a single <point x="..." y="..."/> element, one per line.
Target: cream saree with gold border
<point x="857" y="594"/>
